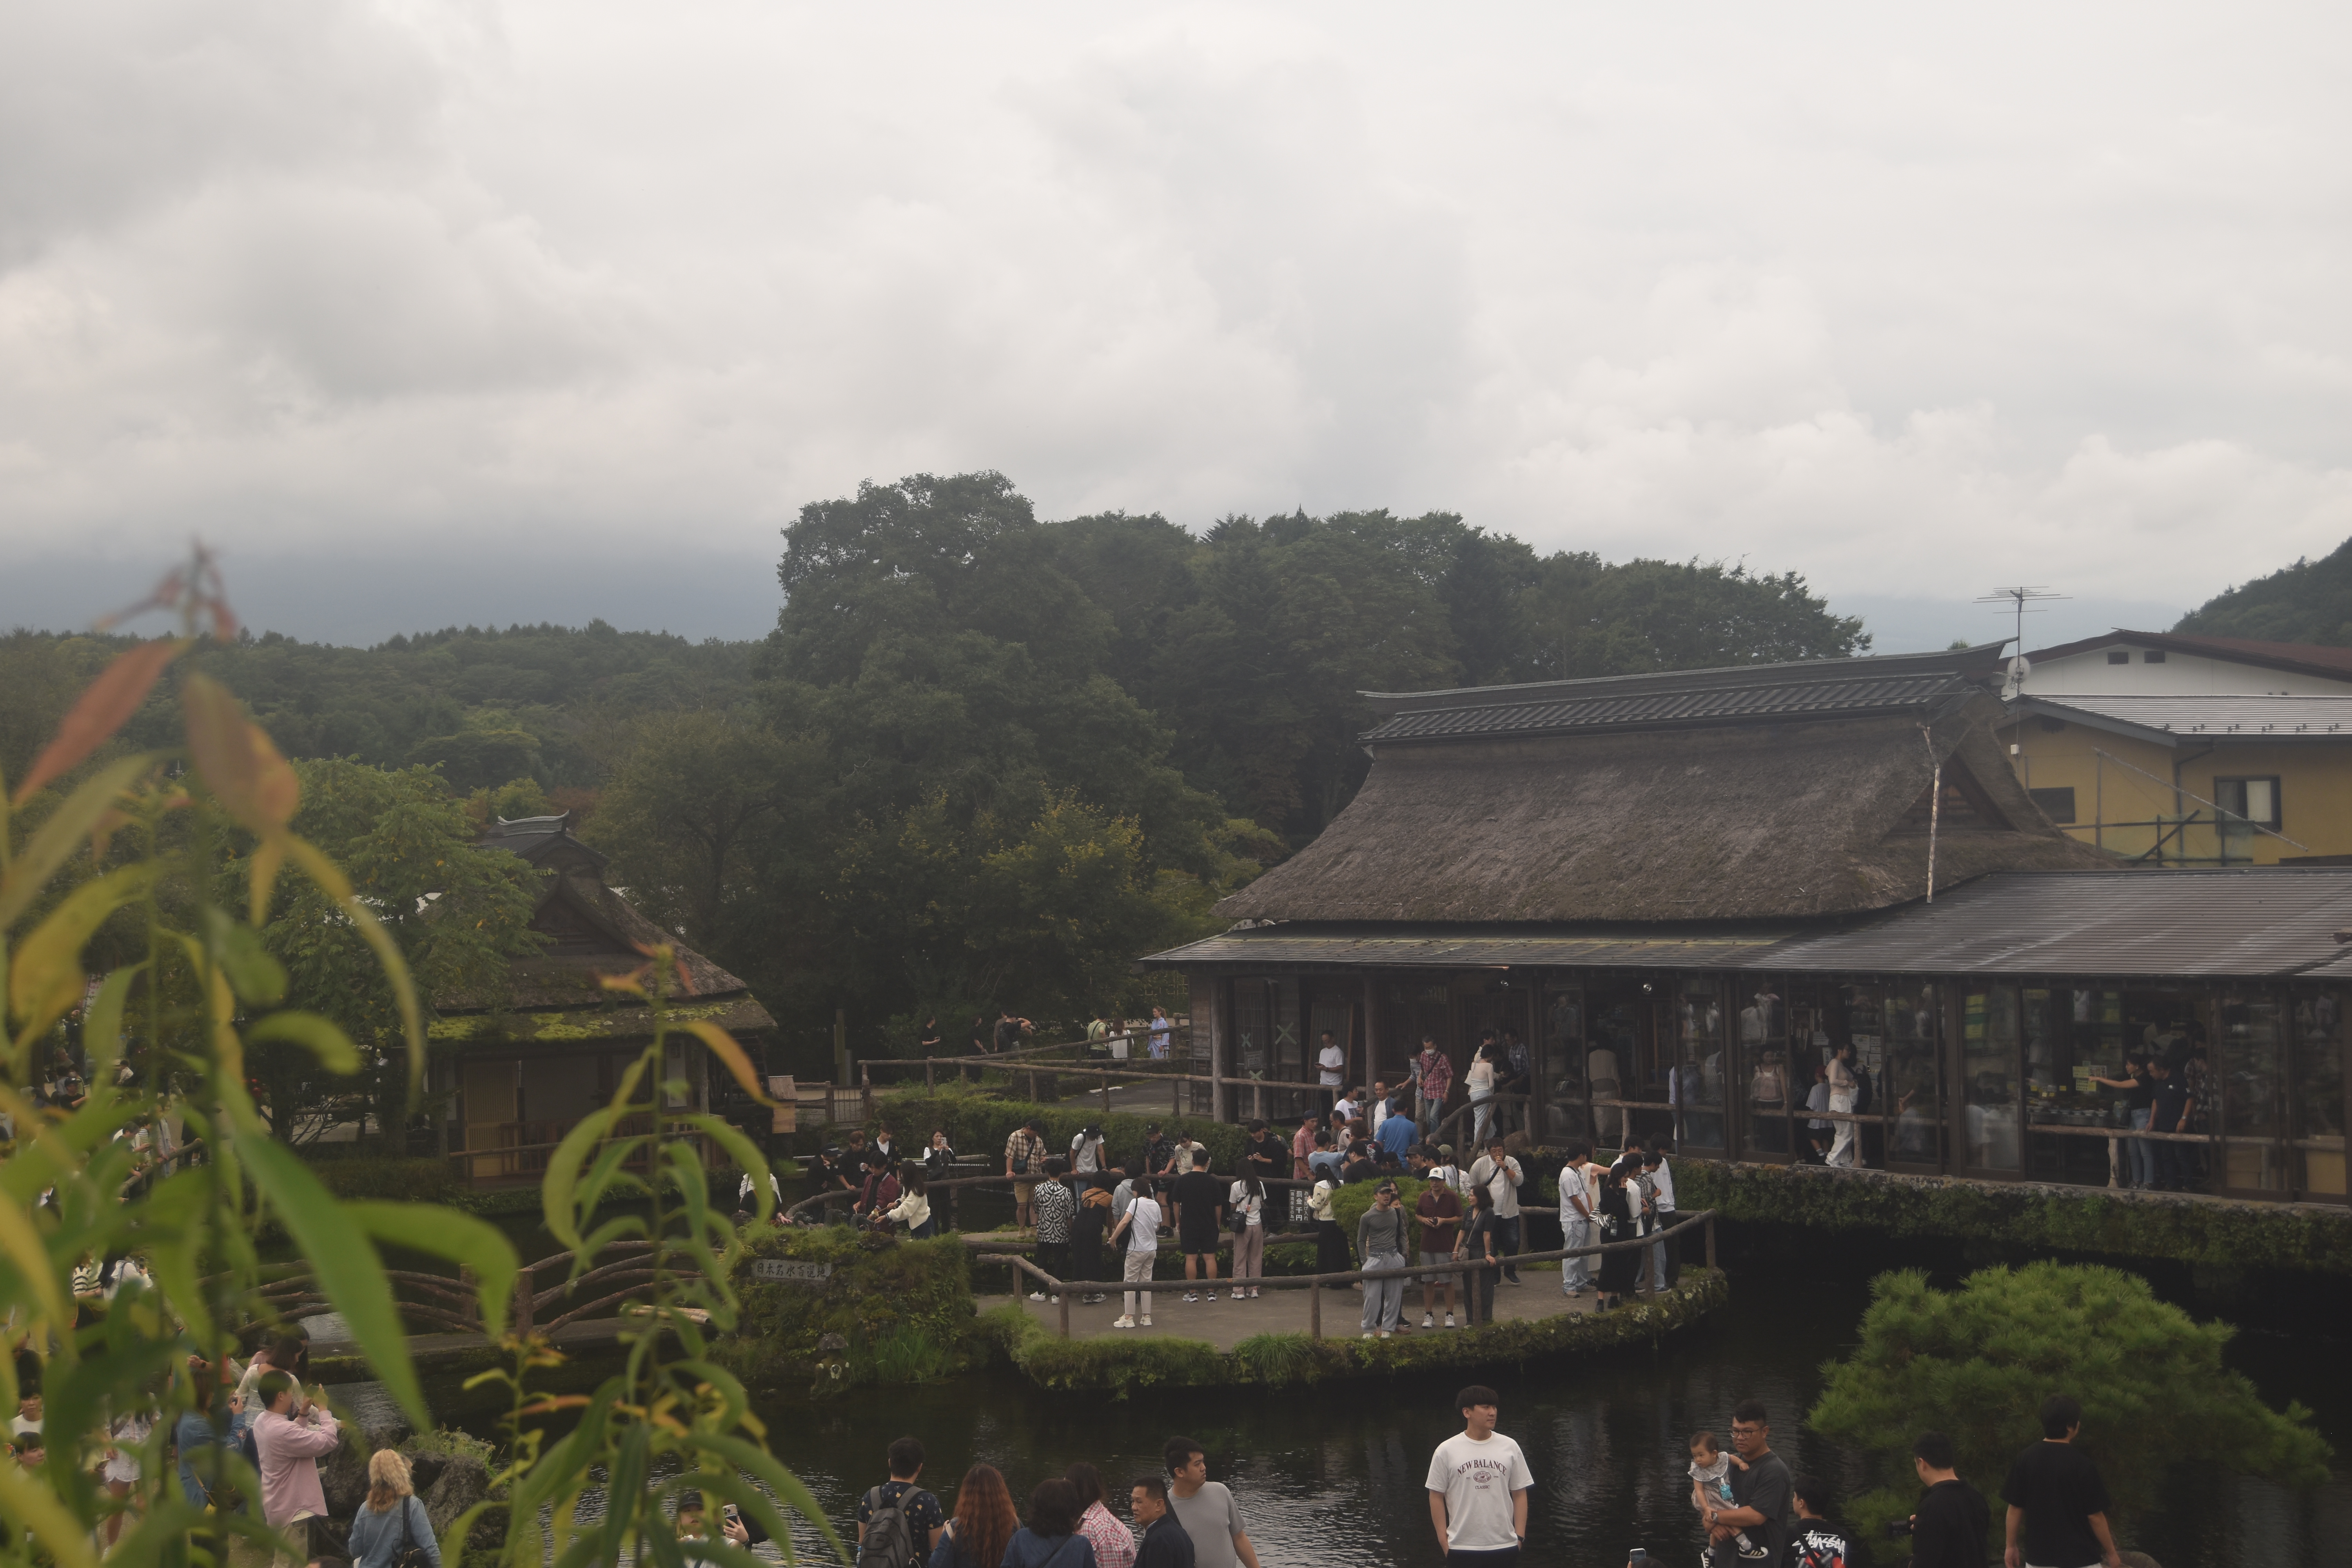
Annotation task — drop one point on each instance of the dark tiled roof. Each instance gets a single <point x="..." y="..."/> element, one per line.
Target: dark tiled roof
<point x="2265" y="923"/>
<point x="1858" y="695"/>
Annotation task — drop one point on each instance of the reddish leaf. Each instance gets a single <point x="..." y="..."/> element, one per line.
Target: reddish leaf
<point x="237" y="760"/>
<point x="112" y="698"/>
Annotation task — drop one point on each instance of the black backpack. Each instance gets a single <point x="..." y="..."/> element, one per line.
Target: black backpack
<point x="889" y="1538"/>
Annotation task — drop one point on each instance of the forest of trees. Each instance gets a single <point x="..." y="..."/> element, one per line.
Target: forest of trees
<point x="983" y="758"/>
<point x="2310" y="600"/>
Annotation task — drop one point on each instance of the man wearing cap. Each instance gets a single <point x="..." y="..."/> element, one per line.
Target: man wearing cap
<point x="1380" y="1241"/>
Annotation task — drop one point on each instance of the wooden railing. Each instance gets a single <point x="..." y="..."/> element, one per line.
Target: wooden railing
<point x="1314" y="1284"/>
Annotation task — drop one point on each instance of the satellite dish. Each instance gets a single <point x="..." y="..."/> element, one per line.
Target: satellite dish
<point x="2020" y="666"/>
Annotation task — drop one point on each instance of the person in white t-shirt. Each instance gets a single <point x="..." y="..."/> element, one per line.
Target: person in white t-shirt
<point x="1478" y="1486"/>
<point x="1140" y="1226"/>
<point x="1330" y="1063"/>
<point x="1499" y="1173"/>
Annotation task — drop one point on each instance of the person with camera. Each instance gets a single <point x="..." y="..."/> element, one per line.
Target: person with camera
<point x="1949" y="1529"/>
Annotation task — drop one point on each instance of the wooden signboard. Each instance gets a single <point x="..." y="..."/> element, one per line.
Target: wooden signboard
<point x="790" y="1270"/>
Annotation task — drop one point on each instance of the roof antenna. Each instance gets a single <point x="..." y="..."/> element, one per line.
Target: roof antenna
<point x="2019" y="666"/>
<point x="1935" y="802"/>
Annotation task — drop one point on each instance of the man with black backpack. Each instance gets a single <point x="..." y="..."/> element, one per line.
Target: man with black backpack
<point x="898" y="1522"/>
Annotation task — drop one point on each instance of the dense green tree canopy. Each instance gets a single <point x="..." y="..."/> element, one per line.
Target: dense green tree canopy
<point x="983" y="757"/>
<point x="1977" y="1362"/>
<point x="2310" y="600"/>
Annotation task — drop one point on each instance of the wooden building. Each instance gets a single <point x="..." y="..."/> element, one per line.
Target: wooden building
<point x="1682" y="892"/>
<point x="530" y="1064"/>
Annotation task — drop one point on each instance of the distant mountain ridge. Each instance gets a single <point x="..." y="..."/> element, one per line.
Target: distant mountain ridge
<point x="2309" y="601"/>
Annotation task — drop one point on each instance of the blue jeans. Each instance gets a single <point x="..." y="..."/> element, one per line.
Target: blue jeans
<point x="2142" y="1150"/>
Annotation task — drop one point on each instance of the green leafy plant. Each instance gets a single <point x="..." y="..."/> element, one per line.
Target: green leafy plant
<point x="1977" y="1362"/>
<point x="126" y="855"/>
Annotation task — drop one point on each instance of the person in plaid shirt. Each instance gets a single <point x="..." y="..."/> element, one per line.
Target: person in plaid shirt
<point x="1434" y="1074"/>
<point x="1024" y="1155"/>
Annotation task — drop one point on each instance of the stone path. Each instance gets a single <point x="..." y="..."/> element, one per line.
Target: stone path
<point x="1225" y="1322"/>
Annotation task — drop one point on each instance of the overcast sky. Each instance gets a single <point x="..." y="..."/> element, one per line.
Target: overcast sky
<point x="428" y="312"/>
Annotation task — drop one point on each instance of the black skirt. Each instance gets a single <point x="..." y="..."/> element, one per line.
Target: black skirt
<point x="1619" y="1270"/>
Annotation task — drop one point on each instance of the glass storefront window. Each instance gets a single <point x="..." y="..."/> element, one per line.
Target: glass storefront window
<point x="1989" y="1043"/>
<point x="2317" y="1103"/>
<point x="1561" y="1063"/>
<point x="1612" y="1057"/>
<point x="1765" y="1071"/>
<point x="1912" y="1077"/>
<point x="1696" y="1090"/>
<point x="2247" y="1034"/>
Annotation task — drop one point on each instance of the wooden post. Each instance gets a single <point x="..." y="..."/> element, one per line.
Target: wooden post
<point x="1710" y="1244"/>
<point x="1106" y="1086"/>
<point x="928" y="1081"/>
<point x="1064" y="1292"/>
<point x="1033" y="1086"/>
<point x="1314" y="1311"/>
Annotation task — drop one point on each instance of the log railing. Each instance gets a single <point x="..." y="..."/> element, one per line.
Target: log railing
<point x="1315" y="1284"/>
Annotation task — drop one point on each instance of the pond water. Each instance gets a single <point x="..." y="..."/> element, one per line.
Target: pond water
<point x="1334" y="1475"/>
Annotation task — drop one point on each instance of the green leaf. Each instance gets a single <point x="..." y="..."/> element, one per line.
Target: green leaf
<point x="101" y="1028"/>
<point x="320" y="1037"/>
<point x="470" y="1243"/>
<point x="342" y="1259"/>
<point x="63" y="832"/>
<point x="257" y="979"/>
<point x="46" y="979"/>
<point x="754" y="1460"/>
<point x="555" y="1189"/>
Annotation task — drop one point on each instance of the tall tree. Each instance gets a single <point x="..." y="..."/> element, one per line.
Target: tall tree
<point x="458" y="912"/>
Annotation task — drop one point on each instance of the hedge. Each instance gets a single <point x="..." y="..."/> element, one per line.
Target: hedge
<point x="1119" y="1366"/>
<point x="904" y="1310"/>
<point x="2175" y="1227"/>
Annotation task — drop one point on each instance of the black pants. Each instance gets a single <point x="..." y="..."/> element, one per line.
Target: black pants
<point x="1053" y="1257"/>
<point x="1506" y="1242"/>
<point x="1505" y="1558"/>
<point x="1477" y="1301"/>
<point x="1331" y="1248"/>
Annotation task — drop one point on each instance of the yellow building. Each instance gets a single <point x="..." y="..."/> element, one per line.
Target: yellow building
<point x="2190" y="751"/>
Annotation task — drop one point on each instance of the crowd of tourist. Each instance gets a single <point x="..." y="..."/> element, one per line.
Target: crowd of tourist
<point x="1751" y="1506"/>
<point x="1100" y="1221"/>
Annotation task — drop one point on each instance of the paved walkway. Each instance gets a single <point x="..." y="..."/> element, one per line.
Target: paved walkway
<point x="1225" y="1322"/>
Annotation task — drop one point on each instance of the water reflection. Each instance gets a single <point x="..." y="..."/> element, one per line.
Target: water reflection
<point x="1335" y="1475"/>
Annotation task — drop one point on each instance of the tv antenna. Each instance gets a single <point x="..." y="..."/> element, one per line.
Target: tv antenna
<point x="2021" y="598"/>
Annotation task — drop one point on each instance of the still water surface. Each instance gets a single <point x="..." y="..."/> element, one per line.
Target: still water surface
<point x="1334" y="1475"/>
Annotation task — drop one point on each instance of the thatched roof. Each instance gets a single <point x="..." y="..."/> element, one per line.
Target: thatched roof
<point x="1804" y="792"/>
<point x="593" y="931"/>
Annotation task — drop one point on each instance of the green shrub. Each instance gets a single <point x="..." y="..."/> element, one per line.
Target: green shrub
<point x="1275" y="1358"/>
<point x="1977" y="1362"/>
<point x="2185" y="1230"/>
<point x="912" y="1297"/>
<point x="378" y="1177"/>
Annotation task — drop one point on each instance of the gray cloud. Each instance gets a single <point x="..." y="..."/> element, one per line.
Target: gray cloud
<point x="1911" y="304"/>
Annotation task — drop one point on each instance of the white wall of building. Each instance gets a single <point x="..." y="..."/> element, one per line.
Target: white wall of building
<point x="2089" y="673"/>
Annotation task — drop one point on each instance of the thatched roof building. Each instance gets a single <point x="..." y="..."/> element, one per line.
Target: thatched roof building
<point x="1758" y="792"/>
<point x="536" y="1058"/>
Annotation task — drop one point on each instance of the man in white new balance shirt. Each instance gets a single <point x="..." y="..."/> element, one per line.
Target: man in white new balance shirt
<point x="1478" y="1488"/>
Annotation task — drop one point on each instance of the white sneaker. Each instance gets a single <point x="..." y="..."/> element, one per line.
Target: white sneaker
<point x="1036" y="1295"/>
<point x="1252" y="1292"/>
<point x="1428" y="1321"/>
<point x="1384" y="1334"/>
<point x="1191" y="1295"/>
<point x="1122" y="1321"/>
<point x="1449" y="1320"/>
<point x="1147" y="1322"/>
<point x="1212" y="1296"/>
<point x="1368" y="1334"/>
<point x="1053" y="1301"/>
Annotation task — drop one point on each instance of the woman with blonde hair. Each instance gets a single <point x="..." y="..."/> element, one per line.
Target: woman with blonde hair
<point x="392" y="1521"/>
